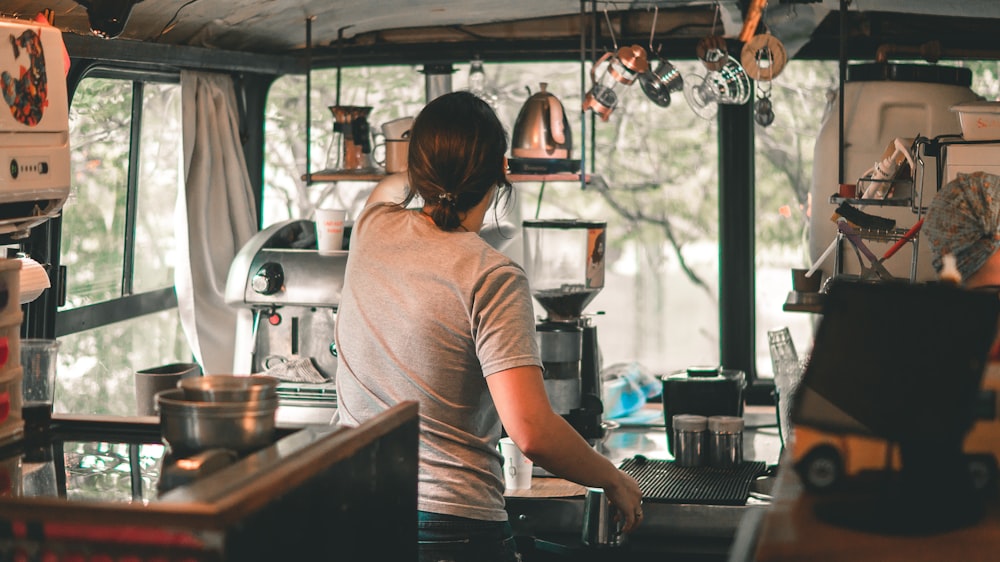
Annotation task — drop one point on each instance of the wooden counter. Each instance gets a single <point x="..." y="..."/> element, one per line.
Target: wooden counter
<point x="790" y="530"/>
<point x="321" y="492"/>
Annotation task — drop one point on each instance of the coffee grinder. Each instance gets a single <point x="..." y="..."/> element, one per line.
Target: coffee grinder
<point x="564" y="260"/>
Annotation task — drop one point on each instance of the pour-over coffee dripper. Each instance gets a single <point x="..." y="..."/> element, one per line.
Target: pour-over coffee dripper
<point x="352" y="122"/>
<point x="660" y="83"/>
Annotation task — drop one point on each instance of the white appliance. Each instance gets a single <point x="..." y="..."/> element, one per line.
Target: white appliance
<point x="968" y="158"/>
<point x="34" y="125"/>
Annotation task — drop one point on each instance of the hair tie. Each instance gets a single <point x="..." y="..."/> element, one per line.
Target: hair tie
<point x="447" y="197"/>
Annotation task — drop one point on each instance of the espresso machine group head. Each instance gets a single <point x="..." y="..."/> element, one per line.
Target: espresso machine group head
<point x="564" y="260"/>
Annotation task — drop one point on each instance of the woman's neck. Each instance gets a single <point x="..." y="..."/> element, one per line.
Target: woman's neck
<point x="471" y="220"/>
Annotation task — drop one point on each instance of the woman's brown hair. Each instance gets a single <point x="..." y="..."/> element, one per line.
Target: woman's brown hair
<point x="456" y="156"/>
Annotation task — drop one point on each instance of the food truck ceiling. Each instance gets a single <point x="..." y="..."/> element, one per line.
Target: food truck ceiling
<point x="373" y="31"/>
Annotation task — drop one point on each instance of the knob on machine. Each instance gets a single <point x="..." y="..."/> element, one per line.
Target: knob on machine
<point x="269" y="279"/>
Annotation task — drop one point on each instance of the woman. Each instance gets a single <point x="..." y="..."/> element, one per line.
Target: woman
<point x="963" y="221"/>
<point x="431" y="313"/>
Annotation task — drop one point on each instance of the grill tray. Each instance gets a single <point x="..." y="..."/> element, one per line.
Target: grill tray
<point x="667" y="482"/>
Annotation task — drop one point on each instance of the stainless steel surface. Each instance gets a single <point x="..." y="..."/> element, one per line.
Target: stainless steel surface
<point x="229" y="388"/>
<point x="188" y="426"/>
<point x="281" y="265"/>
<point x="292" y="293"/>
<point x="668" y="528"/>
<point x="305" y="404"/>
<point x="601" y="524"/>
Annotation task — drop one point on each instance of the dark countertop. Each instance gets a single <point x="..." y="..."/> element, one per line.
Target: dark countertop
<point x="549" y="516"/>
<point x="790" y="530"/>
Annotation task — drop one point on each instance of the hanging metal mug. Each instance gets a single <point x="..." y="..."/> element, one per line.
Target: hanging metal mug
<point x="623" y="67"/>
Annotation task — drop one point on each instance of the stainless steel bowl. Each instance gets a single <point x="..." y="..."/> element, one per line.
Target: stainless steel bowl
<point x="188" y="426"/>
<point x="229" y="388"/>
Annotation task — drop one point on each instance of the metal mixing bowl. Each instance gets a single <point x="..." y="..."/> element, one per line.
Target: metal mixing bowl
<point x="188" y="426"/>
<point x="229" y="388"/>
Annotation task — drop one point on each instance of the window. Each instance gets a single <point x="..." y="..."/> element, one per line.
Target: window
<point x="784" y="183"/>
<point x="660" y="302"/>
<point x="117" y="240"/>
<point x="784" y="170"/>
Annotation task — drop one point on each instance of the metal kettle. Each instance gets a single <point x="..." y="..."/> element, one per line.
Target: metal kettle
<point x="542" y="130"/>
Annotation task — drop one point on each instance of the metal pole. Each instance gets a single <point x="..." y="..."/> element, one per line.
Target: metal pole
<point x="309" y="21"/>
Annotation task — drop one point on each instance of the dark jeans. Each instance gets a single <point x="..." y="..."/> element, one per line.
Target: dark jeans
<point x="446" y="538"/>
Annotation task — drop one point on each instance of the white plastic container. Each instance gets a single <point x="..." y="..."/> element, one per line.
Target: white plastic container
<point x="980" y="120"/>
<point x="882" y="103"/>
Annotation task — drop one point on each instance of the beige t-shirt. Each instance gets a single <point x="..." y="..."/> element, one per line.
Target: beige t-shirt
<point x="426" y="315"/>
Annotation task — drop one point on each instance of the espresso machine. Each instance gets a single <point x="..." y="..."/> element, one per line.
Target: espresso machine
<point x="564" y="260"/>
<point x="287" y="294"/>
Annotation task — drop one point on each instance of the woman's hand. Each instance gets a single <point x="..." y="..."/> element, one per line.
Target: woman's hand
<point x="626" y="497"/>
<point x="550" y="442"/>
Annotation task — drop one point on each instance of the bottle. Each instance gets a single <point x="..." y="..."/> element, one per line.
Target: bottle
<point x="478" y="86"/>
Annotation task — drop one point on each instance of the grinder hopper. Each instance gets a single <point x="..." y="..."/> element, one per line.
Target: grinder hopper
<point x="564" y="260"/>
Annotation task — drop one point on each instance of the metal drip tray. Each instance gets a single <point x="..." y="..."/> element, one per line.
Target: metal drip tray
<point x="306" y="403"/>
<point x="322" y="394"/>
<point x="666" y="481"/>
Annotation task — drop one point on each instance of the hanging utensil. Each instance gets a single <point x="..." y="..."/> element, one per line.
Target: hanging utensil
<point x="763" y="58"/>
<point x="660" y="83"/>
<point x="624" y="66"/>
<point x="712" y="50"/>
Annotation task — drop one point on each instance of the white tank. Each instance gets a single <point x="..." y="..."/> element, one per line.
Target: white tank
<point x="882" y="102"/>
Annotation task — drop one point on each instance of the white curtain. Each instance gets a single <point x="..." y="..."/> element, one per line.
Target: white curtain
<point x="216" y="216"/>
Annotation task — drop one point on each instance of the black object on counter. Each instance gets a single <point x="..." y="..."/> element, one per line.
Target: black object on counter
<point x="704" y="391"/>
<point x="914" y="383"/>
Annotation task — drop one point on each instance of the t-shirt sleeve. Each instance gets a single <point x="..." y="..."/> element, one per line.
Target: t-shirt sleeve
<point x="503" y="321"/>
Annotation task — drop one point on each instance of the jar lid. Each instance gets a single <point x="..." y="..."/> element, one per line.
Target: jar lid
<point x="725" y="424"/>
<point x="690" y="422"/>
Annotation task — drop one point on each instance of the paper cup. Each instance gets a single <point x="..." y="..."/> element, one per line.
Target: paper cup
<point x="330" y="230"/>
<point x="516" y="466"/>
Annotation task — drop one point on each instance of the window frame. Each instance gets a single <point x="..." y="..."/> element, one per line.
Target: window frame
<point x="42" y="318"/>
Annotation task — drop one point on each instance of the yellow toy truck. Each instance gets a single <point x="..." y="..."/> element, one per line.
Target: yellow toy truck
<point x="825" y="460"/>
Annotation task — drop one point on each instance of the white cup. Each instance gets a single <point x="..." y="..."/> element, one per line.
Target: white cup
<point x="516" y="466"/>
<point x="330" y="230"/>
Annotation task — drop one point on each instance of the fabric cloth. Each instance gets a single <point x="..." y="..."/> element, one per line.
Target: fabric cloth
<point x="964" y="220"/>
<point x="426" y="315"/>
<point x="457" y="539"/>
<point x="216" y="216"/>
